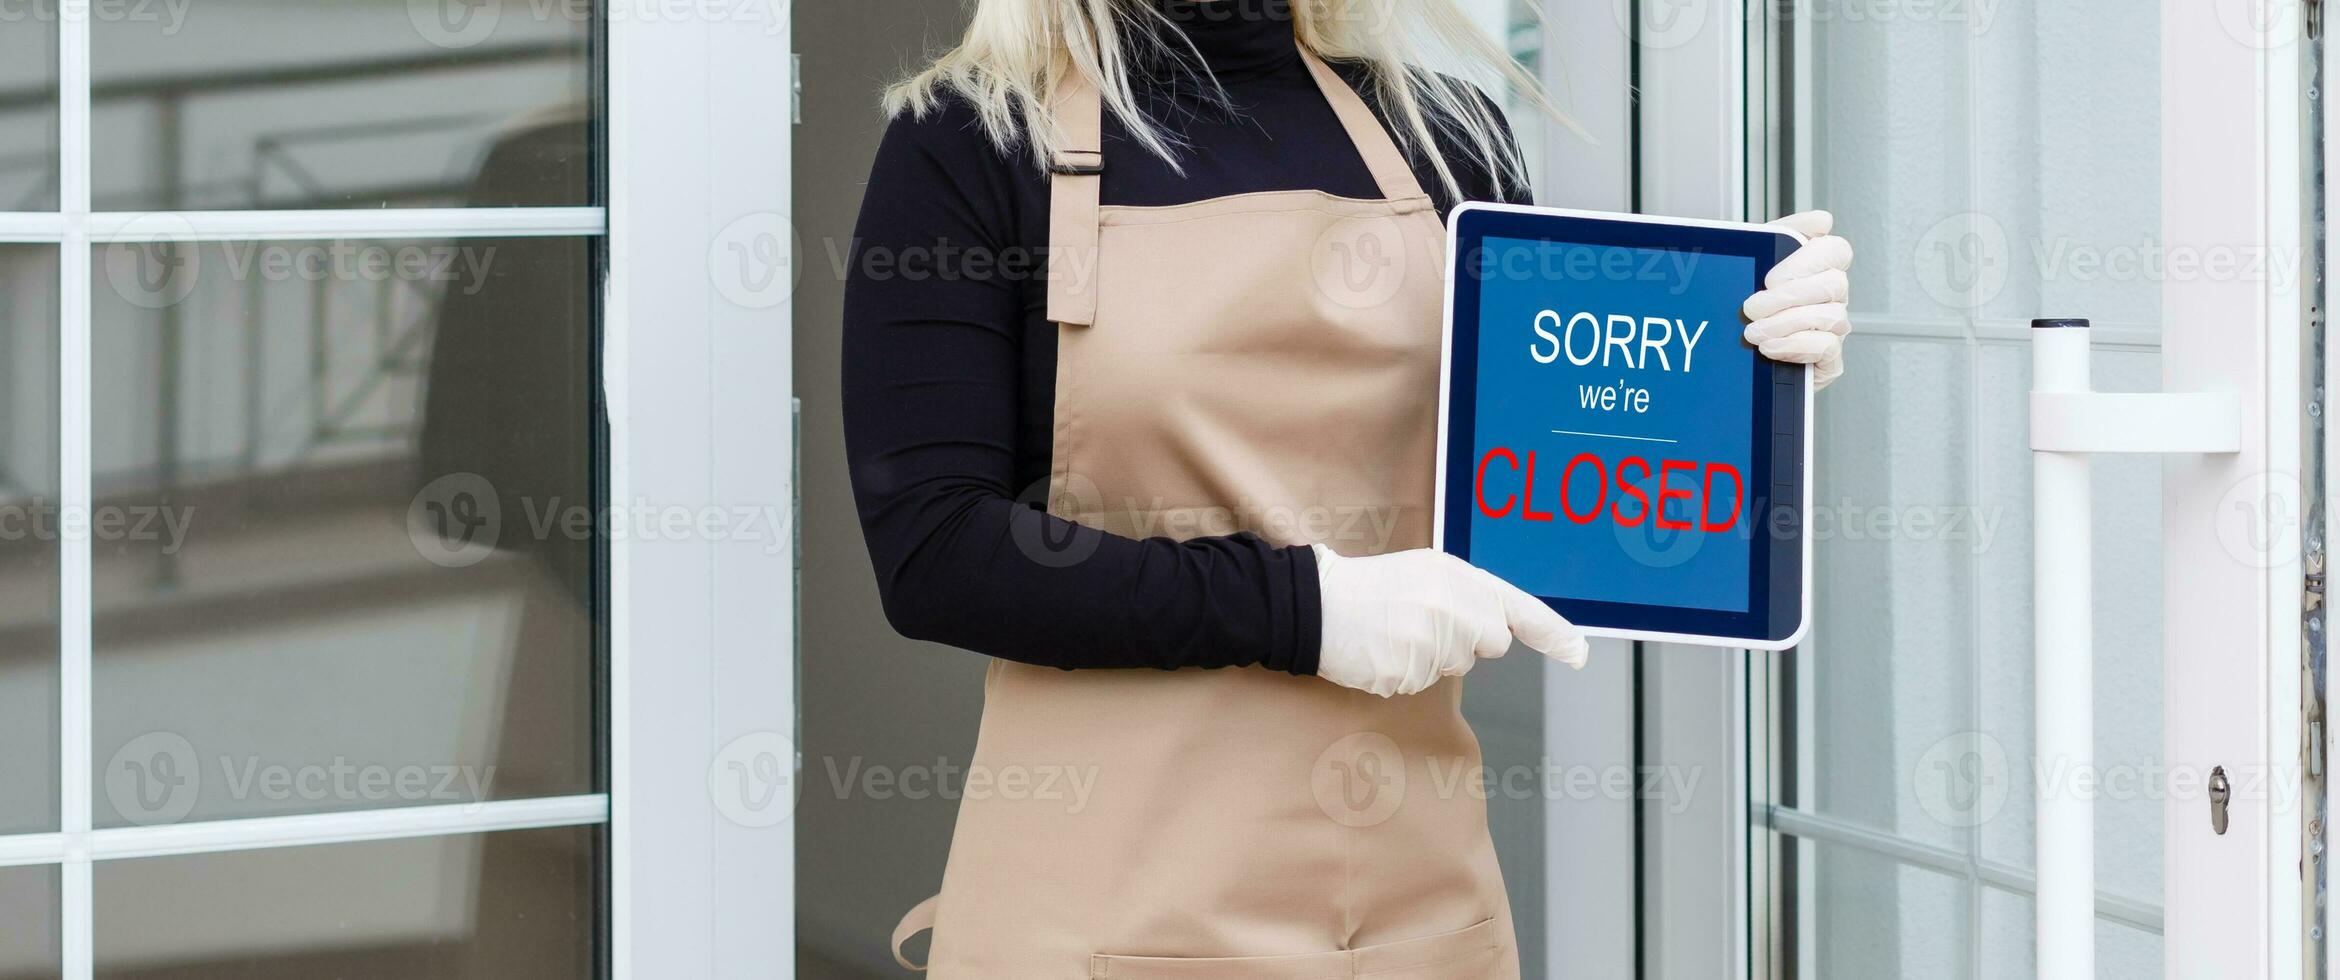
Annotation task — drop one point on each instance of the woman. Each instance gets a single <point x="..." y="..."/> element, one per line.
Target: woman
<point x="1117" y="398"/>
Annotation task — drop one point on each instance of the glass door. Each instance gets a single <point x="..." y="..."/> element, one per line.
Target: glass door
<point x="299" y="323"/>
<point x="2137" y="165"/>
<point x="1990" y="173"/>
<point x="395" y="489"/>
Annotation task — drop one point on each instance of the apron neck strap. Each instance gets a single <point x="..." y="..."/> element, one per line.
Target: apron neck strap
<point x="1382" y="156"/>
<point x="1078" y="168"/>
<point x="1074" y="175"/>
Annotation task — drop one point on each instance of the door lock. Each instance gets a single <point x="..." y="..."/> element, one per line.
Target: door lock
<point x="2220" y="792"/>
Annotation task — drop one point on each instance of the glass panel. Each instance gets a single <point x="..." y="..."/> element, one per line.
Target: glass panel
<point x="332" y="104"/>
<point x="364" y="475"/>
<point x="28" y="106"/>
<point x="1895" y="626"/>
<point x="2125" y="951"/>
<point x="31" y="946"/>
<point x="1880" y="918"/>
<point x="2002" y="175"/>
<point x="2007" y="942"/>
<point x="28" y="538"/>
<point x="515" y="904"/>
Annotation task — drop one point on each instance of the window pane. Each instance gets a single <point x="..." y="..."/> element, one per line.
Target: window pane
<point x="1896" y="634"/>
<point x="356" y="565"/>
<point x="28" y="538"/>
<point x="1881" y="918"/>
<point x="513" y="905"/>
<point x="28" y="107"/>
<point x="2126" y="951"/>
<point x="2009" y="941"/>
<point x="30" y="947"/>
<point x="328" y="104"/>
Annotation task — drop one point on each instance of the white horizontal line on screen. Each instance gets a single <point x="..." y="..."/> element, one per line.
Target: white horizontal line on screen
<point x="1607" y="435"/>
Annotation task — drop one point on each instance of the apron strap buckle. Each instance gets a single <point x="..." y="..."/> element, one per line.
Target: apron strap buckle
<point x="1072" y="226"/>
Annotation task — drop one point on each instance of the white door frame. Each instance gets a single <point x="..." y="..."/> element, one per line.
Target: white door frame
<point x="698" y="374"/>
<point x="1590" y="865"/>
<point x="1692" y="163"/>
<point x="2231" y="626"/>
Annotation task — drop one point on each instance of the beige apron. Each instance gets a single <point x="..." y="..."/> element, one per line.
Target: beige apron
<point x="1264" y="362"/>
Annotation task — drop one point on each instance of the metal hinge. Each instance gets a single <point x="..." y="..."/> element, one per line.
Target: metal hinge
<point x="2313" y="10"/>
<point x="795" y="89"/>
<point x="2315" y="747"/>
<point x="2311" y="584"/>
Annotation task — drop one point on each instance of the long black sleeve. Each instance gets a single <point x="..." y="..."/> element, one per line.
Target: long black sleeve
<point x="948" y="387"/>
<point x="936" y="309"/>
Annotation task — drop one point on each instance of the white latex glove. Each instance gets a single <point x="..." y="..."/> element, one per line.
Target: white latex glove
<point x="1397" y="623"/>
<point x="1800" y="314"/>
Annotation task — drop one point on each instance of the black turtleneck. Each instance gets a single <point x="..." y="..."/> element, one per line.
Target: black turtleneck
<point x="950" y="368"/>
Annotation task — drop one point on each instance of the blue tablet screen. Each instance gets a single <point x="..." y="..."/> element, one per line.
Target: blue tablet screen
<point x="1612" y="457"/>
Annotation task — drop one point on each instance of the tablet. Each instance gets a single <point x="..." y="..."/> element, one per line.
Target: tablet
<point x="1608" y="441"/>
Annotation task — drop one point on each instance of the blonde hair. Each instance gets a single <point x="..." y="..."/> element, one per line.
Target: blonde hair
<point x="1016" y="53"/>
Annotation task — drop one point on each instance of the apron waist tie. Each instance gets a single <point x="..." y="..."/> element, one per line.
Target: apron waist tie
<point x="919" y="919"/>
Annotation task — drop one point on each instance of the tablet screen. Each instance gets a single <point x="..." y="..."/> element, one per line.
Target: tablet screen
<point x="1611" y="455"/>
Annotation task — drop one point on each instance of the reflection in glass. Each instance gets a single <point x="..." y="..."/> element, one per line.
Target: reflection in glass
<point x="28" y="538"/>
<point x="289" y="104"/>
<point x="28" y="107"/>
<point x="512" y="905"/>
<point x="30" y="947"/>
<point x="353" y="562"/>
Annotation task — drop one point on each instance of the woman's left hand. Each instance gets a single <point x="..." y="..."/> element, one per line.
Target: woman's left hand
<point x="1800" y="314"/>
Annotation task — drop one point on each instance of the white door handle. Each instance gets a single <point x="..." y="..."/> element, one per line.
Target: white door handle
<point x="2068" y="422"/>
<point x="2108" y="422"/>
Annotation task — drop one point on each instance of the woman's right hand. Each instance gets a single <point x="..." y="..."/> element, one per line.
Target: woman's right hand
<point x="1397" y="623"/>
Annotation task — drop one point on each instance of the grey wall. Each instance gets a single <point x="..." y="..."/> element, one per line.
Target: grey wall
<point x="871" y="698"/>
